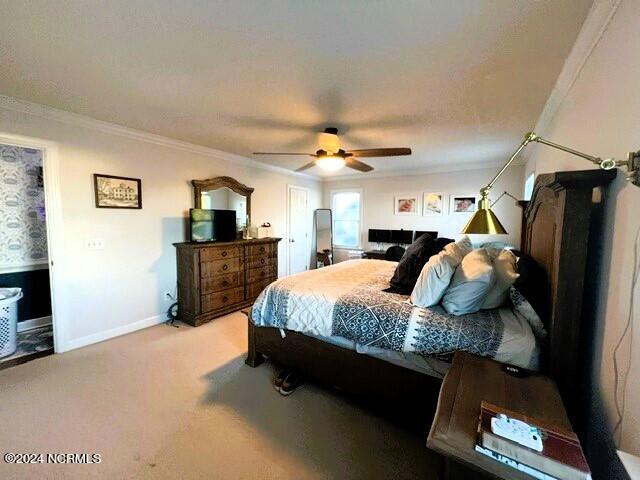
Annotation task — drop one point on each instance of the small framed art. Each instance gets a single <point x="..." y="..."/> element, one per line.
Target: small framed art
<point x="432" y="204"/>
<point x="405" y="205"/>
<point x="464" y="203"/>
<point x="117" y="192"/>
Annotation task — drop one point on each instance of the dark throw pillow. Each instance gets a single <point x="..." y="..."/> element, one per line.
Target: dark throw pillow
<point x="532" y="283"/>
<point x="411" y="263"/>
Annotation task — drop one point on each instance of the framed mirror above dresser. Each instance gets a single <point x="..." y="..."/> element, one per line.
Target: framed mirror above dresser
<point x="224" y="193"/>
<point x="219" y="277"/>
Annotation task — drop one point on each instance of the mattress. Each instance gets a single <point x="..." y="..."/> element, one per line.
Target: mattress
<point x="345" y="304"/>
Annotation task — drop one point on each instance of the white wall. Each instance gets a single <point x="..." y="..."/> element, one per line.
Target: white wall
<point x="601" y="115"/>
<point x="106" y="292"/>
<point x="378" y="194"/>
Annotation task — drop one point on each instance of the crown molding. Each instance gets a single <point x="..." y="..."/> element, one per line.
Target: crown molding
<point x="455" y="167"/>
<point x="594" y="26"/>
<point x="69" y="118"/>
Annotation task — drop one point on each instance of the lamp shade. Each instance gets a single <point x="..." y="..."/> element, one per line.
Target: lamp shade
<point x="484" y="221"/>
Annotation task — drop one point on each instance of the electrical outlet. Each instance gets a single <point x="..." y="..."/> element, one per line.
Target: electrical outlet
<point x="95" y="244"/>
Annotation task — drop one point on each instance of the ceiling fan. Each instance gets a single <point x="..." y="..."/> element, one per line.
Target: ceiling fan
<point x="332" y="157"/>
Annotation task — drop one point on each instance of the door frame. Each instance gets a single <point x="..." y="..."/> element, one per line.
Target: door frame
<point x="288" y="231"/>
<point x="53" y="212"/>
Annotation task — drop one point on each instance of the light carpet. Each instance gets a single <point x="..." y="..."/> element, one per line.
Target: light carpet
<point x="180" y="403"/>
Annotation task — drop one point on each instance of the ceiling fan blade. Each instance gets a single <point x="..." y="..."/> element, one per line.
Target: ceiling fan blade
<point x="288" y="153"/>
<point x="380" y="152"/>
<point x="358" y="165"/>
<point x="304" y="167"/>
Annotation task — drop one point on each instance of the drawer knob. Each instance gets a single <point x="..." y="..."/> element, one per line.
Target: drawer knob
<point x="225" y="283"/>
<point x="225" y="267"/>
<point x="262" y="261"/>
<point x="225" y="299"/>
<point x="262" y="250"/>
<point x="224" y="254"/>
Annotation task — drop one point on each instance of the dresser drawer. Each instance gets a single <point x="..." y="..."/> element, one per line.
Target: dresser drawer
<point x="218" y="267"/>
<point x="219" y="253"/>
<point x="254" y="289"/>
<point x="225" y="298"/>
<point x="264" y="249"/>
<point x="260" y="262"/>
<point x="221" y="282"/>
<point x="262" y="273"/>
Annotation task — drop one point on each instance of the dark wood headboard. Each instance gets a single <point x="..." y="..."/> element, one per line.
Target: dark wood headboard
<point x="557" y="225"/>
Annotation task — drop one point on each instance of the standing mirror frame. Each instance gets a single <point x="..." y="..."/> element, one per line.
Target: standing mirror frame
<point x="215" y="183"/>
<point x="323" y="223"/>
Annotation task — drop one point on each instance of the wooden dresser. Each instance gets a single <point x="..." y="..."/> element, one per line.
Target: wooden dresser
<point x="216" y="278"/>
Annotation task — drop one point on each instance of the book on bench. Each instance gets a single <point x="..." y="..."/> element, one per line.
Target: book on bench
<point x="561" y="454"/>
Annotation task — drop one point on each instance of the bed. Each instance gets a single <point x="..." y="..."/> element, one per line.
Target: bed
<point x="342" y="330"/>
<point x="346" y="304"/>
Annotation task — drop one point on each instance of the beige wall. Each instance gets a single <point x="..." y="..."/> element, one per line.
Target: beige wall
<point x="601" y="115"/>
<point x="101" y="293"/>
<point x="378" y="195"/>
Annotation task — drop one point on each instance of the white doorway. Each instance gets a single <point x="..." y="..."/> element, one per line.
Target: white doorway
<point x="298" y="222"/>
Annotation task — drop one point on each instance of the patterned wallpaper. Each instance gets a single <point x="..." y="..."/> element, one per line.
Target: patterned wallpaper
<point x="23" y="239"/>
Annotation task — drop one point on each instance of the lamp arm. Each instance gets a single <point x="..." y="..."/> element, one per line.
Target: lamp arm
<point x="529" y="137"/>
<point x="495" y="202"/>
<point x="597" y="160"/>
<point x="606" y="164"/>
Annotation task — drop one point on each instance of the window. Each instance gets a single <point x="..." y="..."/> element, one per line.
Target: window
<point x="528" y="186"/>
<point x="346" y="218"/>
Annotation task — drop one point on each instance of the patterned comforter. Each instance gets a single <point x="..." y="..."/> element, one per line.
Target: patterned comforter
<point x="347" y="300"/>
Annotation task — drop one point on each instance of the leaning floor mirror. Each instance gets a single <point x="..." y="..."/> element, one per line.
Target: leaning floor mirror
<point x="324" y="237"/>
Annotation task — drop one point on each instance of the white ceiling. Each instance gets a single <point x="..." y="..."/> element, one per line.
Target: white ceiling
<point x="457" y="81"/>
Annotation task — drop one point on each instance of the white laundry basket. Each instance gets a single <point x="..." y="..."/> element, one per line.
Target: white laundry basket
<point x="9" y="320"/>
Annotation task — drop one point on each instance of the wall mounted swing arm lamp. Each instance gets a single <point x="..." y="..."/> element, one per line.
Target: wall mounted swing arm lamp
<point x="484" y="221"/>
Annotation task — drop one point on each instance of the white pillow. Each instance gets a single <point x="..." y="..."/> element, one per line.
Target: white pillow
<point x="471" y="282"/>
<point x="437" y="272"/>
<point x="504" y="265"/>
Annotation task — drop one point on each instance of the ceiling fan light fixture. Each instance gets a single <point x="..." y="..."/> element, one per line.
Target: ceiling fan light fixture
<point x="330" y="163"/>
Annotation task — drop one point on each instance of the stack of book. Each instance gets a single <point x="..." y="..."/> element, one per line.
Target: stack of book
<point x="561" y="456"/>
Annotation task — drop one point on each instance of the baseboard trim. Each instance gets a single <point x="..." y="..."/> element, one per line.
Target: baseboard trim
<point x="34" y="323"/>
<point x="114" y="332"/>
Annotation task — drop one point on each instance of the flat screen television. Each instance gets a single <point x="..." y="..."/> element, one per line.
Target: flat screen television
<point x="402" y="236"/>
<point x="417" y="234"/>
<point x="212" y="225"/>
<point x="379" y="236"/>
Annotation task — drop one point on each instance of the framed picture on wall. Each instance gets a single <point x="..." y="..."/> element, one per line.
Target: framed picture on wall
<point x="433" y="204"/>
<point x="405" y="205"/>
<point x="463" y="203"/>
<point x="117" y="192"/>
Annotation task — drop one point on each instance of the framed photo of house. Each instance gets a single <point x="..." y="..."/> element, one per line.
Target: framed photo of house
<point x="463" y="204"/>
<point x="433" y="204"/>
<point x="117" y="192"/>
<point x="405" y="205"/>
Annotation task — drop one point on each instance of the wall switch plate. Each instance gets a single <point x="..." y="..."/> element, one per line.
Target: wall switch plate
<point x="95" y="244"/>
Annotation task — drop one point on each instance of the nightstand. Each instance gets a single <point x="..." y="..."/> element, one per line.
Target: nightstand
<point x="470" y="380"/>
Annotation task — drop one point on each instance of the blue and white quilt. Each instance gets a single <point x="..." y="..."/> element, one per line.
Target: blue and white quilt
<point x="347" y="300"/>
